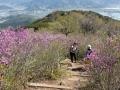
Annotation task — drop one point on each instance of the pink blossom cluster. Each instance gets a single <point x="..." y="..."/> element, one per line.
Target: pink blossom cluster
<point x="23" y="41"/>
<point x="106" y="55"/>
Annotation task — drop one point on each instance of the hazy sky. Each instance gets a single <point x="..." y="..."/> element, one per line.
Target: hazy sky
<point x="43" y="5"/>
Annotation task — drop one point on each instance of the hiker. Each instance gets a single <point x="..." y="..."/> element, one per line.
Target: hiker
<point x="87" y="54"/>
<point x="73" y="52"/>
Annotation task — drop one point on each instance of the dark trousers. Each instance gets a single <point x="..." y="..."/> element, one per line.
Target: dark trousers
<point x="73" y="57"/>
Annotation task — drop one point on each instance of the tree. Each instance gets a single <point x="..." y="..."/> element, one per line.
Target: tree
<point x="67" y="25"/>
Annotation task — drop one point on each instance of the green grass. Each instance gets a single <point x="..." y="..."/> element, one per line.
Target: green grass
<point x="75" y="22"/>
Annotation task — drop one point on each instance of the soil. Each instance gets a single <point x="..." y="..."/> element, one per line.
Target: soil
<point x="78" y="78"/>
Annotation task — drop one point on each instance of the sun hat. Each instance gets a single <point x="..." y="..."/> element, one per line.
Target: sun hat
<point x="89" y="46"/>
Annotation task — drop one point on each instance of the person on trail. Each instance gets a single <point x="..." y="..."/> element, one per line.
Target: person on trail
<point x="88" y="52"/>
<point x="87" y="59"/>
<point x="73" y="52"/>
<point x="87" y="55"/>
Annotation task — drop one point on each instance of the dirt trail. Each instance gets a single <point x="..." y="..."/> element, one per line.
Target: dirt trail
<point x="78" y="78"/>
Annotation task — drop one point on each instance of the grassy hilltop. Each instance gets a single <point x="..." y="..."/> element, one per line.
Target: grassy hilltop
<point x="76" y="22"/>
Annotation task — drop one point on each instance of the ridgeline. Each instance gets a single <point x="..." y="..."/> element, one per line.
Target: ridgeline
<point x="76" y="22"/>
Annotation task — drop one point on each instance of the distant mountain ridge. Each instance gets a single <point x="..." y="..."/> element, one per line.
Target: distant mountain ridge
<point x="40" y="8"/>
<point x="17" y="20"/>
<point x="75" y="21"/>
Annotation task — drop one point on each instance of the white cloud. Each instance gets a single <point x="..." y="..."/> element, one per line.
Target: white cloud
<point x="2" y="21"/>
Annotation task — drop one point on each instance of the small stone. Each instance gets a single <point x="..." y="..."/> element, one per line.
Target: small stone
<point x="62" y="83"/>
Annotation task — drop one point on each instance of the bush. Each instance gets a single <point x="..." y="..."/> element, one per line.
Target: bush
<point x="29" y="56"/>
<point x="105" y="70"/>
<point x="47" y="67"/>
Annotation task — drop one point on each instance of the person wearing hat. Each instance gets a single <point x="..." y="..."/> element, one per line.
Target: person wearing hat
<point x="88" y="53"/>
<point x="89" y="50"/>
<point x="87" y="61"/>
<point x="73" y="52"/>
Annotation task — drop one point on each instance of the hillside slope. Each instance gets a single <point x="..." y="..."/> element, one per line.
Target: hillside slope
<point x="76" y="21"/>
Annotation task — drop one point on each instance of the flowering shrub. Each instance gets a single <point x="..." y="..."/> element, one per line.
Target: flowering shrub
<point x="105" y="68"/>
<point x="106" y="55"/>
<point x="22" y="41"/>
<point x="26" y="53"/>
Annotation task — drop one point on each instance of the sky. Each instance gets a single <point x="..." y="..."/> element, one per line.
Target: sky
<point x="40" y="8"/>
<point x="111" y="6"/>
